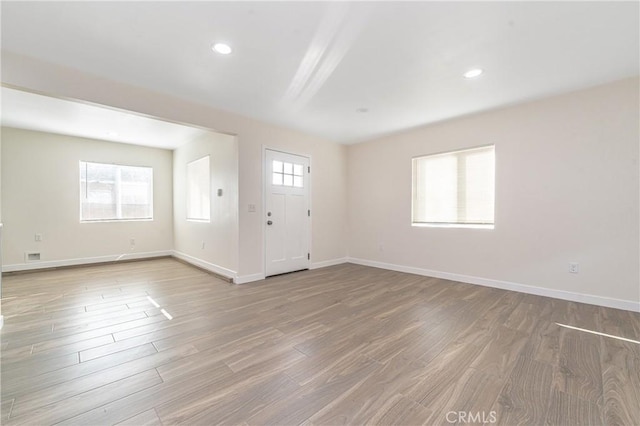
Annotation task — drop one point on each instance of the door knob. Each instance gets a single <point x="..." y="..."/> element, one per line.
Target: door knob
<point x="269" y="222"/>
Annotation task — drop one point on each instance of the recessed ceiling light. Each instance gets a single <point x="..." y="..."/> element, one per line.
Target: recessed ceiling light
<point x="473" y="73"/>
<point x="223" y="49"/>
<point x="362" y="110"/>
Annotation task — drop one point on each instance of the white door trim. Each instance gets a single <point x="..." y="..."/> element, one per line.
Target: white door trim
<point x="263" y="210"/>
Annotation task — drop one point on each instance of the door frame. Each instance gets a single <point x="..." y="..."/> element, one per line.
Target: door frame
<point x="263" y="210"/>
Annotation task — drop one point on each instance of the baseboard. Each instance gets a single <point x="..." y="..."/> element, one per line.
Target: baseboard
<point x="49" y="264"/>
<point x="207" y="266"/>
<point x="244" y="279"/>
<point x="325" y="263"/>
<point x="626" y="305"/>
<point x="1" y="322"/>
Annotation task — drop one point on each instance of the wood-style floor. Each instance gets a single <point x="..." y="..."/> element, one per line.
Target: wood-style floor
<point x="341" y="345"/>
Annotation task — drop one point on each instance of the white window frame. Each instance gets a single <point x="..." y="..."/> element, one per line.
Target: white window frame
<point x="459" y="224"/>
<point x="118" y="201"/>
<point x="192" y="166"/>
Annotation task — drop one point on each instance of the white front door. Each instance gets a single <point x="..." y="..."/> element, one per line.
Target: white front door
<point x="287" y="215"/>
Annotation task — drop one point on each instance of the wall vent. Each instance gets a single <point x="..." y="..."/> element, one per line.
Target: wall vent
<point x="31" y="257"/>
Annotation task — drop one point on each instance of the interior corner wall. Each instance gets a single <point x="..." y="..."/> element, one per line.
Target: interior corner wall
<point x="567" y="190"/>
<point x="41" y="194"/>
<point x="212" y="245"/>
<point x="0" y="182"/>
<point x="328" y="159"/>
<point x="1" y="317"/>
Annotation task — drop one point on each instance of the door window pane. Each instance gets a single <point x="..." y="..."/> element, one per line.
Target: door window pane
<point x="288" y="174"/>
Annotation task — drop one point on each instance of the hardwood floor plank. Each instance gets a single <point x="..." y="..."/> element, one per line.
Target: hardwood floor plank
<point x="122" y="409"/>
<point x="69" y="388"/>
<point x="371" y="399"/>
<point x="621" y="382"/>
<point x="69" y="407"/>
<point x="235" y="408"/>
<point x="5" y="409"/>
<point x="525" y="397"/>
<point x="475" y="392"/>
<point x="566" y="409"/>
<point x="96" y="368"/>
<point x="35" y="365"/>
<point x="347" y="344"/>
<point x="435" y="388"/>
<point x="579" y="372"/>
<point x="147" y="418"/>
<point x="139" y="346"/>
<point x="322" y="394"/>
<point x="61" y="347"/>
<point x="401" y="411"/>
<point x="499" y="355"/>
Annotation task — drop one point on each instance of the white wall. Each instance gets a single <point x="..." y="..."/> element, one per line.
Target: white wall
<point x="567" y="190"/>
<point x="40" y="194"/>
<point x="567" y="187"/>
<point x="328" y="160"/>
<point x="220" y="235"/>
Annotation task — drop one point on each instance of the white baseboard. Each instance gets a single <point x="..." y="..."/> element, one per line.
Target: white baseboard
<point x="626" y="305"/>
<point x="212" y="267"/>
<point x="244" y="279"/>
<point x="1" y="322"/>
<point x="325" y="263"/>
<point x="83" y="261"/>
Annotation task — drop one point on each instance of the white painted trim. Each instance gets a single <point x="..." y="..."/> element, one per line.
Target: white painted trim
<point x="1" y="322"/>
<point x="332" y="262"/>
<point x="266" y="179"/>
<point x="627" y="305"/>
<point x="83" y="261"/>
<point x="212" y="267"/>
<point x="244" y="279"/>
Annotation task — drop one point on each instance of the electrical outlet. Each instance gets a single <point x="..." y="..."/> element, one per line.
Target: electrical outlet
<point x="203" y="245"/>
<point x="132" y="241"/>
<point x="38" y="237"/>
<point x="252" y="208"/>
<point x="573" y="267"/>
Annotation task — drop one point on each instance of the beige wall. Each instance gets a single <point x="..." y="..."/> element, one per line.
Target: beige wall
<point x="567" y="190"/>
<point x="220" y="235"/>
<point x="328" y="191"/>
<point x="40" y="194"/>
<point x="567" y="187"/>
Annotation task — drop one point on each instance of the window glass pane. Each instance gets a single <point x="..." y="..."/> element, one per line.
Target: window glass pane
<point x="277" y="166"/>
<point x="288" y="168"/>
<point x="455" y="188"/>
<point x="115" y="192"/>
<point x="199" y="190"/>
<point x="297" y="169"/>
<point x="288" y="180"/>
<point x="297" y="181"/>
<point x="479" y="184"/>
<point x="438" y="197"/>
<point x="276" y="179"/>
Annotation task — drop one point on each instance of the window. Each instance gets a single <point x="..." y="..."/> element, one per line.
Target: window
<point x="287" y="174"/>
<point x="455" y="188"/>
<point x="115" y="192"/>
<point x="199" y="190"/>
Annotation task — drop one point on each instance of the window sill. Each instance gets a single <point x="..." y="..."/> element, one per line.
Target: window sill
<point x="116" y="220"/>
<point x="453" y="225"/>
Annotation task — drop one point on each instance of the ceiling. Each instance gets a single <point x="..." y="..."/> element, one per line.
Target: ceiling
<point x="24" y="110"/>
<point x="315" y="66"/>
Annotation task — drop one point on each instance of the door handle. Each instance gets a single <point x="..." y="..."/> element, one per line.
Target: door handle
<point x="269" y="222"/>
